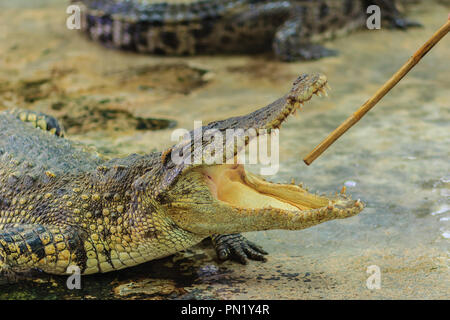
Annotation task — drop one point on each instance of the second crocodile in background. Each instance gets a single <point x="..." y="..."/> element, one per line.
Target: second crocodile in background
<point x="292" y="28"/>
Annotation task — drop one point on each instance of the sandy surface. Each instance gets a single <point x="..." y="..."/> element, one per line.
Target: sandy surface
<point x="395" y="159"/>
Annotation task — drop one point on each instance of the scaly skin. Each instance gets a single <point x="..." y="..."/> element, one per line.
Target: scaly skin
<point x="291" y="28"/>
<point x="62" y="204"/>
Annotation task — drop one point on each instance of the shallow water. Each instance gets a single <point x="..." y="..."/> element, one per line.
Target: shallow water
<point x="396" y="159"/>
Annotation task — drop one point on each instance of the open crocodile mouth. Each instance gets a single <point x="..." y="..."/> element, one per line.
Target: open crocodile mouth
<point x="250" y="194"/>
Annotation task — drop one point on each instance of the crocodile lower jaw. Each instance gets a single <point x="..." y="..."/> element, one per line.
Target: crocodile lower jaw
<point x="283" y="206"/>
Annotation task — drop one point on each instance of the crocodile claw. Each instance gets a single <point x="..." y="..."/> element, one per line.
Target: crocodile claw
<point x="237" y="248"/>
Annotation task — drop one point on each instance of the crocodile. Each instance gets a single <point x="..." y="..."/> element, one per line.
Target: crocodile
<point x="292" y="28"/>
<point x="63" y="204"/>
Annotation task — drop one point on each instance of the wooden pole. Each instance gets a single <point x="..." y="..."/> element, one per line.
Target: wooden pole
<point x="369" y="104"/>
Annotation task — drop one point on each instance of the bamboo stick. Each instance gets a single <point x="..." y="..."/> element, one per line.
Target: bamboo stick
<point x="369" y="104"/>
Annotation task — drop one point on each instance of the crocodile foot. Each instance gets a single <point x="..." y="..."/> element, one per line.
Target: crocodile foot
<point x="237" y="248"/>
<point x="402" y="23"/>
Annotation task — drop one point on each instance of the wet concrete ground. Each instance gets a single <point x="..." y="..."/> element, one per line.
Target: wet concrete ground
<point x="396" y="159"/>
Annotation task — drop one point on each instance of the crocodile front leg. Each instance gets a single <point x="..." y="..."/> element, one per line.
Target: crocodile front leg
<point x="236" y="247"/>
<point x="51" y="249"/>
